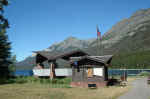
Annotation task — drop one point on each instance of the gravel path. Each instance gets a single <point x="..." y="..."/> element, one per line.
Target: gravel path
<point x="140" y="90"/>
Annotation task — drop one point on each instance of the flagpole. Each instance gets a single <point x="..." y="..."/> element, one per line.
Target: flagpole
<point x="97" y="41"/>
<point x="99" y="50"/>
<point x="101" y="47"/>
<point x="97" y="47"/>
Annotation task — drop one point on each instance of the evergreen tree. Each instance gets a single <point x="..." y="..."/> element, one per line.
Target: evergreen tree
<point x="4" y="43"/>
<point x="12" y="66"/>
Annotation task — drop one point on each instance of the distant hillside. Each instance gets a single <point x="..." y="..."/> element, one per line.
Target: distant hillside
<point x="136" y="60"/>
<point x="127" y="36"/>
<point x="69" y="44"/>
<point x="26" y="64"/>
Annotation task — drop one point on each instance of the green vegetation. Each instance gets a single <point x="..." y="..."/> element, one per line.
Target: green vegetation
<point x="12" y="66"/>
<point x="45" y="91"/>
<point x="4" y="43"/>
<point x="144" y="73"/>
<point x="62" y="82"/>
<point x="132" y="60"/>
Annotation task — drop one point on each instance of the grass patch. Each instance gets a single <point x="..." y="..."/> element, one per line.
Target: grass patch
<point x="21" y="80"/>
<point x="55" y="83"/>
<point x="35" y="91"/>
<point x="41" y="90"/>
<point x="144" y="74"/>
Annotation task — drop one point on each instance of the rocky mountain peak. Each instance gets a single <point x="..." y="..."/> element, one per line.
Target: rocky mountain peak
<point x="71" y="38"/>
<point x="141" y="12"/>
<point x="131" y="34"/>
<point x="69" y="43"/>
<point x="127" y="27"/>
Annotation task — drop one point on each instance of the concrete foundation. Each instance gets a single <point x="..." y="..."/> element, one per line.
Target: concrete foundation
<point x="85" y="84"/>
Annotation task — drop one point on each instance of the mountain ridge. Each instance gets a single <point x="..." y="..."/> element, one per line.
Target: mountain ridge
<point x="130" y="34"/>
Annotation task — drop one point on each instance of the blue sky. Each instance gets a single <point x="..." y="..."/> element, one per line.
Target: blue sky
<point x="37" y="24"/>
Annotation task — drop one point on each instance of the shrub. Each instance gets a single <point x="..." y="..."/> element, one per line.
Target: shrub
<point x="20" y="80"/>
<point x="57" y="82"/>
<point x="144" y="73"/>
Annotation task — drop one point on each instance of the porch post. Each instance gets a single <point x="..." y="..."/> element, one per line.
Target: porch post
<point x="105" y="72"/>
<point x="52" y="70"/>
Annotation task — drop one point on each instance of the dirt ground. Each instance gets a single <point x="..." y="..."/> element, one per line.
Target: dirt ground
<point x="140" y="90"/>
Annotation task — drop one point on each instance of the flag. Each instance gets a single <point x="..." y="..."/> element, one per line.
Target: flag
<point x="98" y="32"/>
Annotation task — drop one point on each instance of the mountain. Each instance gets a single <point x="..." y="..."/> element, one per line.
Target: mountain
<point x="70" y="43"/>
<point x="129" y="26"/>
<point x="132" y="60"/>
<point x="127" y="36"/>
<point x="26" y="64"/>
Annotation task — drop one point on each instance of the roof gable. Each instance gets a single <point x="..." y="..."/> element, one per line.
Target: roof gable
<point x="50" y="56"/>
<point x="84" y="60"/>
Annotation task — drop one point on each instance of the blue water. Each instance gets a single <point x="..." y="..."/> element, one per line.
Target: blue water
<point x="110" y="72"/>
<point x="130" y="72"/>
<point x="23" y="73"/>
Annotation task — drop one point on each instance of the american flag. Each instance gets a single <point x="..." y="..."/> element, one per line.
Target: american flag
<point x="98" y="32"/>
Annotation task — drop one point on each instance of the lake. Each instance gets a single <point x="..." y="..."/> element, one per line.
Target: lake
<point x="130" y="72"/>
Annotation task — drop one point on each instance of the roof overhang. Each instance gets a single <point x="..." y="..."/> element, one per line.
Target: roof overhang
<point x="51" y="56"/>
<point x="92" y="60"/>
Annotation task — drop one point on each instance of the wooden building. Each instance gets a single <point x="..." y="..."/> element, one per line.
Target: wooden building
<point x="42" y="56"/>
<point x="87" y="70"/>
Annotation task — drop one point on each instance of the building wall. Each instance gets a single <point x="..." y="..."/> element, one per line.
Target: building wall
<point x="79" y="75"/>
<point x="58" y="72"/>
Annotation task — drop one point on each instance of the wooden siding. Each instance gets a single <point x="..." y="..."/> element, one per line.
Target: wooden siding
<point x="81" y="74"/>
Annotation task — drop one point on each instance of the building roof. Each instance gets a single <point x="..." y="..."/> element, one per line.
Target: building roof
<point x="105" y="59"/>
<point x="50" y="56"/>
<point x="46" y="54"/>
<point x="92" y="60"/>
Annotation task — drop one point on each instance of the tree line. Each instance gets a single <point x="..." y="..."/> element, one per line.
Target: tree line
<point x="132" y="60"/>
<point x="6" y="59"/>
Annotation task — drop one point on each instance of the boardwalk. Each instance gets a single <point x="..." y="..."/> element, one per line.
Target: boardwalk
<point x="140" y="90"/>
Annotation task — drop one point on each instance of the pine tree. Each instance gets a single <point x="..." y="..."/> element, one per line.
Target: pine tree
<point x="4" y="43"/>
<point x="12" y="66"/>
